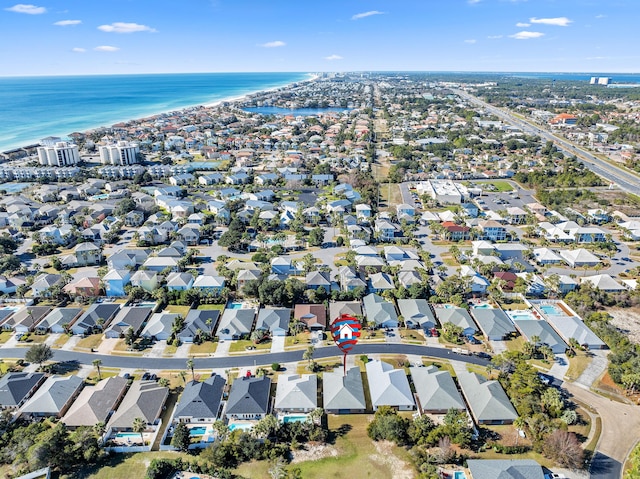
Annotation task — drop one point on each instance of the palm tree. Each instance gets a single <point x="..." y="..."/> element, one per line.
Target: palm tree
<point x="308" y="355"/>
<point x="99" y="429"/>
<point x="190" y="365"/>
<point x="139" y="425"/>
<point x="96" y="364"/>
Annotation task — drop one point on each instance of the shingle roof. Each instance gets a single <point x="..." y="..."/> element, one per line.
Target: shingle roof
<point x="388" y="386"/>
<point x="201" y="399"/>
<point x="249" y="396"/>
<point x="297" y="392"/>
<point x="95" y="403"/>
<point x="343" y="392"/>
<point x="53" y="395"/>
<point x="145" y="399"/>
<point x="493" y="322"/>
<point x="436" y="389"/>
<point x="505" y="469"/>
<point x="15" y="386"/>
<point x="487" y="400"/>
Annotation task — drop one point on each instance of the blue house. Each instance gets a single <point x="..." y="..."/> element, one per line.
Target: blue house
<point x="282" y="265"/>
<point x="115" y="281"/>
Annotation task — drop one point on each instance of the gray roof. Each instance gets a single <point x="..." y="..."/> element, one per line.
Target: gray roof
<point x="388" y="386"/>
<point x="95" y="312"/>
<point x="343" y="392"/>
<point x="130" y="317"/>
<point x="201" y="399"/>
<point x="53" y="395"/>
<point x="237" y="321"/>
<point x="29" y="316"/>
<point x="378" y="310"/>
<point x="486" y="399"/>
<point x="297" y="392"/>
<point x="95" y="403"/>
<point x="436" y="389"/>
<point x="197" y="319"/>
<point x="338" y="308"/>
<point x="249" y="396"/>
<point x="417" y="311"/>
<point x="159" y="323"/>
<point x="458" y="316"/>
<point x="145" y="399"/>
<point x="542" y="329"/>
<point x="273" y="318"/>
<point x="59" y="316"/>
<point x="14" y="387"/>
<point x="505" y="469"/>
<point x="493" y="322"/>
<point x="572" y="327"/>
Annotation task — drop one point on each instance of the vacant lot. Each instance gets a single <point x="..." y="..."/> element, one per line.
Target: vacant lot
<point x="628" y="321"/>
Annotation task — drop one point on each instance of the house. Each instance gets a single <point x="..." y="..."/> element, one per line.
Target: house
<point x="369" y="263"/>
<point x="546" y="256"/>
<point x="379" y="282"/>
<point x="505" y="469"/>
<point x="540" y="328"/>
<point x="208" y="283"/>
<point x="54" y="397"/>
<point x="488" y="403"/>
<point x="338" y="308"/>
<point x="249" y="398"/>
<point x="145" y="400"/>
<point x="343" y="394"/>
<point x="318" y="279"/>
<point x="95" y="404"/>
<point x="437" y="393"/>
<point x="296" y="394"/>
<point x="405" y="211"/>
<point x="199" y="320"/>
<point x="122" y="260"/>
<point x="454" y="232"/>
<point x="417" y="314"/>
<point x="42" y="284"/>
<point x="200" y="402"/>
<point x="516" y="215"/>
<point x="478" y="283"/>
<point x="569" y="327"/>
<point x="87" y="254"/>
<point x="16" y="388"/>
<point x="245" y="276"/>
<point x="363" y="212"/>
<point x="492" y="230"/>
<point x="457" y="316"/>
<point x="96" y="318"/>
<point x="129" y="317"/>
<point x="179" y="281"/>
<point x="85" y="287"/>
<point x="385" y="230"/>
<point x="159" y="326"/>
<point x="579" y="258"/>
<point x="506" y="280"/>
<point x="134" y="218"/>
<point x="603" y="282"/>
<point x="57" y="319"/>
<point x="115" y="281"/>
<point x="160" y="263"/>
<point x="350" y="279"/>
<point x="147" y="280"/>
<point x="235" y="323"/>
<point x="494" y="323"/>
<point x="26" y="319"/>
<point x="389" y="386"/>
<point x="314" y="316"/>
<point x="406" y="279"/>
<point x="380" y="312"/>
<point x="280" y="265"/>
<point x="274" y="320"/>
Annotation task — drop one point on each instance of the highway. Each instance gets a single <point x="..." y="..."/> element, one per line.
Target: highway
<point x="245" y="360"/>
<point x="624" y="179"/>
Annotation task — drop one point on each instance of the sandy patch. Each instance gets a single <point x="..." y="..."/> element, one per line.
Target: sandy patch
<point x="314" y="452"/>
<point x="385" y="456"/>
<point x="628" y="321"/>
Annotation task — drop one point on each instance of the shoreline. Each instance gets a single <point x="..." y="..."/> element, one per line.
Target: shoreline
<point x="210" y="104"/>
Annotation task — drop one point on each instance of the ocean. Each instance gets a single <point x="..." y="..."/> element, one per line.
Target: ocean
<point x="32" y="108"/>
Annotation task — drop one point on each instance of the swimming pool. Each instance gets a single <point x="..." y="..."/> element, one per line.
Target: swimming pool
<point x="551" y="310"/>
<point x="235" y="306"/>
<point x="243" y="426"/>
<point x="129" y="435"/>
<point x="522" y="315"/>
<point x="482" y="306"/>
<point x="459" y="475"/>
<point x="197" y="431"/>
<point x="288" y="419"/>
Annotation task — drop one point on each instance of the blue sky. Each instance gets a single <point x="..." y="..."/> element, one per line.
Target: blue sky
<point x="155" y="36"/>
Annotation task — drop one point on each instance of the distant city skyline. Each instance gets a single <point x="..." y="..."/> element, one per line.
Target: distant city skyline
<point x="53" y="37"/>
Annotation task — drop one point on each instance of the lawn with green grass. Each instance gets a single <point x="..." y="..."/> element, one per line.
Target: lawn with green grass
<point x="4" y="336"/>
<point x="61" y="341"/>
<point x="577" y="365"/>
<point x="500" y="186"/>
<point x="209" y="307"/>
<point x="174" y="309"/>
<point x="242" y="344"/>
<point x="206" y="347"/>
<point x="90" y="342"/>
<point x="125" y="466"/>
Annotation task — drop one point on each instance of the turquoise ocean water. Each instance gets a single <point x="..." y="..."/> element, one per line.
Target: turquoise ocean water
<point x="32" y="108"/>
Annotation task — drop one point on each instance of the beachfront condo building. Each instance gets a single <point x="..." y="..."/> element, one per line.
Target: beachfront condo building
<point x="122" y="153"/>
<point x="61" y="154"/>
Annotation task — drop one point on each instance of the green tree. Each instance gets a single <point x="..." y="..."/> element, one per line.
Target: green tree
<point x="96" y="364"/>
<point x="39" y="353"/>
<point x="181" y="439"/>
<point x="308" y="356"/>
<point x="191" y="365"/>
<point x="139" y="425"/>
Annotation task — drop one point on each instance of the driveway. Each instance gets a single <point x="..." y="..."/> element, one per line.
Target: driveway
<point x="595" y="368"/>
<point x="157" y="350"/>
<point x="277" y="344"/>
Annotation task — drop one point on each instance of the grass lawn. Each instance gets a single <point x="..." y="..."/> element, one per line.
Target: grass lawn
<point x="104" y="374"/>
<point x="298" y="340"/>
<point x="128" y="465"/>
<point x="390" y="194"/>
<point x="500" y="186"/>
<point x="209" y="307"/>
<point x="122" y="349"/>
<point x="60" y="341"/>
<point x="357" y="456"/>
<point x="34" y="339"/>
<point x="513" y="306"/>
<point x="577" y="365"/>
<point x="90" y="342"/>
<point x="515" y="344"/>
<point x="181" y="310"/>
<point x="4" y="336"/>
<point x="170" y="350"/>
<point x="206" y="347"/>
<point x="242" y="344"/>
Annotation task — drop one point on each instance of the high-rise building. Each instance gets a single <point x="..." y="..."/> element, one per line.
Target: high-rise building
<point x="61" y="154"/>
<point x="122" y="153"/>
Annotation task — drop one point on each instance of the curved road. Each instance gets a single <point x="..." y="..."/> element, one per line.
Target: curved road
<point x="625" y="180"/>
<point x="247" y="359"/>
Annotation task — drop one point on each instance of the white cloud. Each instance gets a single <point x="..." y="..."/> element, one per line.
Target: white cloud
<point x="493" y="37"/>
<point x="122" y="27"/>
<point x="558" y="21"/>
<point x="524" y="35"/>
<point x="78" y="50"/>
<point x="28" y="9"/>
<point x="522" y="25"/>
<point x="275" y="44"/>
<point x="333" y="57"/>
<point x="471" y="41"/>
<point x="65" y="23"/>
<point x="106" y="48"/>
<point x="601" y="16"/>
<point x="473" y="2"/>
<point x="370" y="13"/>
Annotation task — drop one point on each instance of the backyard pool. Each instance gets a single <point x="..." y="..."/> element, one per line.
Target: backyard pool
<point x="240" y="425"/>
<point x="197" y="431"/>
<point x="482" y="306"/>
<point x="551" y="310"/>
<point x="522" y="315"/>
<point x="235" y="305"/>
<point x="459" y="475"/>
<point x="127" y="435"/>
<point x="288" y="419"/>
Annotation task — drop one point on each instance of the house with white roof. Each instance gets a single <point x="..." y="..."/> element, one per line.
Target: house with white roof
<point x="437" y="392"/>
<point x="389" y="386"/>
<point x="343" y="394"/>
<point x="296" y="394"/>
<point x="488" y="403"/>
